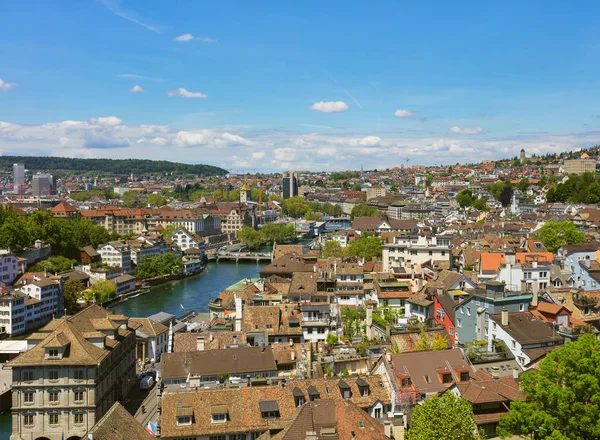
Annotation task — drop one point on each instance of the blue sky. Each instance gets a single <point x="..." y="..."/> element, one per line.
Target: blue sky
<point x="282" y="85"/>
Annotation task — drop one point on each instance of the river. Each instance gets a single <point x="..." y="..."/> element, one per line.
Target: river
<point x="192" y="293"/>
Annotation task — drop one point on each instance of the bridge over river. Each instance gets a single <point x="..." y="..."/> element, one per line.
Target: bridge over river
<point x="241" y="256"/>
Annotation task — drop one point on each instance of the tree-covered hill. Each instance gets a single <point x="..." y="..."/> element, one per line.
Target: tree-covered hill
<point x="108" y="166"/>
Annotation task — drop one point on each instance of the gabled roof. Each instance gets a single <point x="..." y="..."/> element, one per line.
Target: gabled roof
<point x="483" y="388"/>
<point x="148" y="327"/>
<point x="526" y="329"/>
<point x="118" y="424"/>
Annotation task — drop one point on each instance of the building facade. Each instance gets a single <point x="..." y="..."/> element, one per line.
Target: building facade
<point x="74" y="370"/>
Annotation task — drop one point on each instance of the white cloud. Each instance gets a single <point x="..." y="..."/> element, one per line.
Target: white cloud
<point x="112" y="6"/>
<point x="5" y="86"/>
<point x="275" y="150"/>
<point x="190" y="37"/>
<point x="109" y="121"/>
<point x="137" y="89"/>
<point x="404" y="114"/>
<point x="329" y="106"/>
<point x="370" y="141"/>
<point x="459" y="130"/>
<point x="186" y="93"/>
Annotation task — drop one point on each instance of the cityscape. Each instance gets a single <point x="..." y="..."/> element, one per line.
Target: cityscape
<point x="302" y="221"/>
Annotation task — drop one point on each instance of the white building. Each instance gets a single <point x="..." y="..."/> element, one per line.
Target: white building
<point x="12" y="313"/>
<point x="143" y="247"/>
<point x="116" y="254"/>
<point x="50" y="293"/>
<point x="152" y="339"/>
<point x="409" y="250"/>
<point x="185" y="239"/>
<point x="316" y="321"/>
<point x="526" y="277"/>
<point x="8" y="269"/>
<point x="349" y="284"/>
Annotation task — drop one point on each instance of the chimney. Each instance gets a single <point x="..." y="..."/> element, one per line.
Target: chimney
<point x="369" y="322"/>
<point x="200" y="343"/>
<point x="311" y="435"/>
<point x="496" y="372"/>
<point x="238" y="314"/>
<point x="504" y="316"/>
<point x="515" y="373"/>
<point x="293" y="355"/>
<point x="536" y="289"/>
<point x="523" y="286"/>
<point x="387" y="428"/>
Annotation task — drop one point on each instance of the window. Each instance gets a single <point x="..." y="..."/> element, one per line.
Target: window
<point x="451" y="331"/>
<point x="447" y="378"/>
<point x="365" y="391"/>
<point x="53" y="375"/>
<point x="468" y="311"/>
<point x="53" y="419"/>
<point x="184" y="420"/>
<point x="270" y="414"/>
<point x="28" y="396"/>
<point x="219" y="418"/>
<point x="28" y="375"/>
<point x="493" y="326"/>
<point x="237" y="436"/>
<point x="464" y="377"/>
<point x="28" y="420"/>
<point x="514" y="344"/>
<point x="427" y="379"/>
<point x="78" y="396"/>
<point x="406" y="382"/>
<point x="521" y="307"/>
<point x="377" y="413"/>
<point x="79" y="419"/>
<point x="53" y="396"/>
<point x="217" y="437"/>
<point x="459" y="323"/>
<point x="53" y="353"/>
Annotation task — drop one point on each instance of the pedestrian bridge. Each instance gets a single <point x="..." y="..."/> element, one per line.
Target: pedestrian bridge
<point x="241" y="256"/>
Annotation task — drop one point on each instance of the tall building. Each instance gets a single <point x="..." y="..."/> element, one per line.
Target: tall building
<point x="19" y="178"/>
<point x="290" y="185"/>
<point x="579" y="166"/>
<point x="523" y="157"/>
<point x="74" y="370"/>
<point x="42" y="184"/>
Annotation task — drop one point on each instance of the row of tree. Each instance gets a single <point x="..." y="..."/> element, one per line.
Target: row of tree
<point x="66" y="236"/>
<point x="270" y="233"/>
<point x="159" y="265"/>
<point x="298" y="207"/>
<point x="367" y="247"/>
<point x="577" y="189"/>
<point x="466" y="199"/>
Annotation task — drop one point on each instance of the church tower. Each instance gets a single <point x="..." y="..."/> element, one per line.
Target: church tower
<point x="245" y="192"/>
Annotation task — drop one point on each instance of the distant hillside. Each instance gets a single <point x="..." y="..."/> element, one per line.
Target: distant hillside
<point x="109" y="166"/>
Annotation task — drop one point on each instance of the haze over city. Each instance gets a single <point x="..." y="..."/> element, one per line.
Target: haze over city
<point x="310" y="85"/>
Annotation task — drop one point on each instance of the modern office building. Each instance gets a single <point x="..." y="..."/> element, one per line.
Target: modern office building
<point x="42" y="185"/>
<point x="19" y="178"/>
<point x="579" y="166"/>
<point x="290" y="185"/>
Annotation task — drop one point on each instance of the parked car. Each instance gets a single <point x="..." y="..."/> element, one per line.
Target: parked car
<point x="146" y="383"/>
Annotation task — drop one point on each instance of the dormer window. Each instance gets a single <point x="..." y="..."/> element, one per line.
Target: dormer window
<point x="406" y="382"/>
<point x="363" y="386"/>
<point x="219" y="414"/>
<point x="313" y="394"/>
<point x="269" y="409"/>
<point x="184" y="415"/>
<point x="447" y="378"/>
<point x="464" y="376"/>
<point x="345" y="389"/>
<point x="299" y="399"/>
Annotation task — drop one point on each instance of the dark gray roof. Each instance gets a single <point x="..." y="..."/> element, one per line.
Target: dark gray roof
<point x="268" y="406"/>
<point x="297" y="392"/>
<point x="312" y="391"/>
<point x="361" y="382"/>
<point x="343" y="385"/>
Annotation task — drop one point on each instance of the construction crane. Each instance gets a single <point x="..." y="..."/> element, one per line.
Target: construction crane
<point x="407" y="161"/>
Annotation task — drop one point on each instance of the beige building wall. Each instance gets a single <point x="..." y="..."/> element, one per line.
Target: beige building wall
<point x="579" y="166"/>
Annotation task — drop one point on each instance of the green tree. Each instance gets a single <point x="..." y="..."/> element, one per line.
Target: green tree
<point x="365" y="247"/>
<point x="313" y="216"/>
<point x="159" y="265"/>
<point x="555" y="234"/>
<point x="101" y="291"/>
<point x="130" y="198"/>
<point x="295" y="207"/>
<point x="54" y="264"/>
<point x="278" y="233"/>
<point x="332" y="248"/>
<point x="331" y="339"/>
<point x="250" y="237"/>
<point x="464" y="198"/>
<point x="364" y="210"/>
<point x="72" y="293"/>
<point x="480" y="204"/>
<point x="443" y="418"/>
<point x="561" y="397"/>
<point x="157" y="199"/>
<point x="523" y="184"/>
